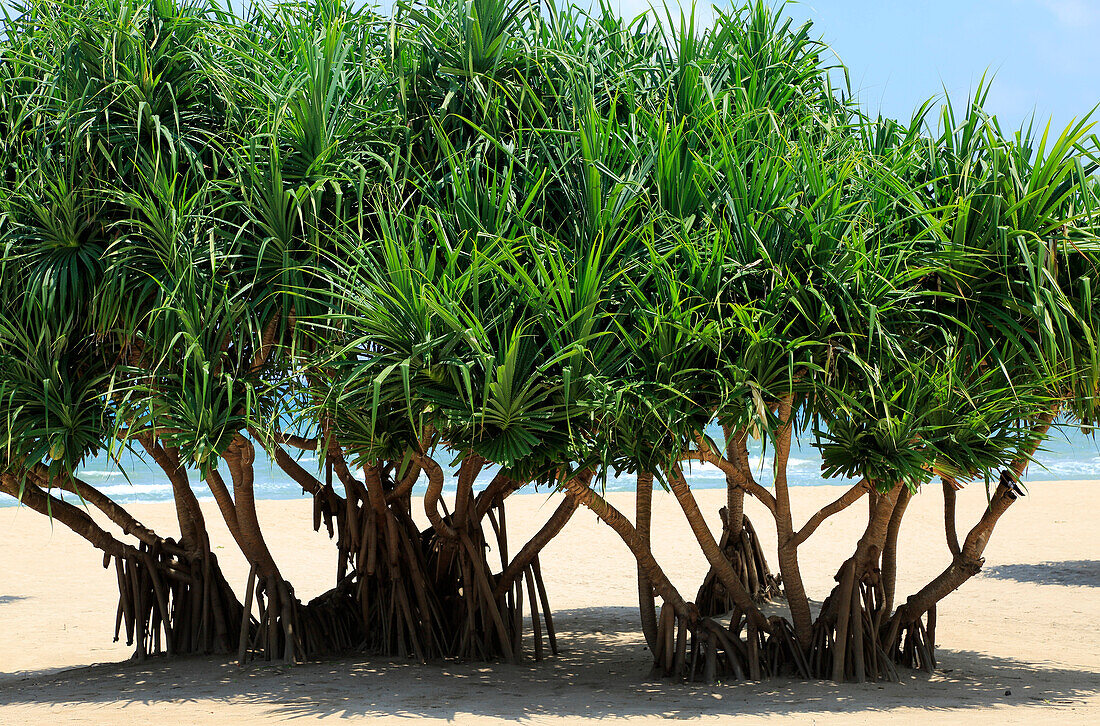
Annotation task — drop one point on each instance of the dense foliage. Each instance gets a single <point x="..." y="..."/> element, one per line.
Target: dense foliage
<point x="553" y="242"/>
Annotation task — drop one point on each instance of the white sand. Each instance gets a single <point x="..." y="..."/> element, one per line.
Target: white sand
<point x="1028" y="625"/>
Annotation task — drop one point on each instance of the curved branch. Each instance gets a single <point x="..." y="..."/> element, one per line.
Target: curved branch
<point x="842" y="502"/>
<point x="889" y="566"/>
<point x="949" y="519"/>
<point x="267" y="341"/>
<point x="968" y="562"/>
<point x="70" y="515"/>
<point x="737" y="449"/>
<point x="878" y="524"/>
<point x="376" y="495"/>
<point x="499" y="489"/>
<point x="717" y="559"/>
<point x="298" y="442"/>
<point x="290" y="466"/>
<point x="309" y="483"/>
<point x="225" y="504"/>
<point x="471" y="466"/>
<point x="240" y="456"/>
<point x="736" y="452"/>
<point x="433" y="495"/>
<point x="125" y="521"/>
<point x="964" y="565"/>
<point x="643" y="522"/>
<point x="580" y="488"/>
<point x="797" y="602"/>
<point x="191" y="522"/>
<point x="343" y="473"/>
<point x="405" y="486"/>
<point x="706" y="454"/>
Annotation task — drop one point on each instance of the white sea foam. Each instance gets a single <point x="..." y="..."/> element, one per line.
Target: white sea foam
<point x="131" y="489"/>
<point x="90" y="475"/>
<point x="1082" y="467"/>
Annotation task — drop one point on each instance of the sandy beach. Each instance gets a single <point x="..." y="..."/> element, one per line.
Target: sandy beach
<point x="1018" y="644"/>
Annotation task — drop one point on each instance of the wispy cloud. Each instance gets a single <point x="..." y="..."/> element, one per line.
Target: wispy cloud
<point x="1073" y="13"/>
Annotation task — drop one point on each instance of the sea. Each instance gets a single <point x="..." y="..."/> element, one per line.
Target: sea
<point x="1067" y="455"/>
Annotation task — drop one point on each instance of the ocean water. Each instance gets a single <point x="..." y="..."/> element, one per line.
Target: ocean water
<point x="133" y="478"/>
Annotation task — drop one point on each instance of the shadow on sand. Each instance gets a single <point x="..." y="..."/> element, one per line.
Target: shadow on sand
<point x="601" y="672"/>
<point x="1079" y="573"/>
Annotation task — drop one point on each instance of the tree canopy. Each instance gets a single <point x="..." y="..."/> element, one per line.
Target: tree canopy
<point x="552" y="240"/>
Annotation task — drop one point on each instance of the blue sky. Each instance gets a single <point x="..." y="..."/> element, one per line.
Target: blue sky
<point x="1045" y="54"/>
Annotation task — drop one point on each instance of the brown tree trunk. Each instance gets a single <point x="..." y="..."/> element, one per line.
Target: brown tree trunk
<point x="578" y="486"/>
<point x="31" y="495"/>
<point x="91" y="495"/>
<point x="739" y="541"/>
<point x="240" y="457"/>
<point x="845" y="642"/>
<point x="225" y="504"/>
<point x="468" y="470"/>
<point x="793" y="587"/>
<point x="949" y="522"/>
<point x="890" y="551"/>
<point x="908" y="638"/>
<point x="499" y="489"/>
<point x="535" y="545"/>
<point x="169" y="599"/>
<point x="433" y="495"/>
<point x="712" y="552"/>
<point x="734" y="519"/>
<point x="643" y="519"/>
<point x="280" y="612"/>
<point x="969" y="560"/>
<point x="191" y="522"/>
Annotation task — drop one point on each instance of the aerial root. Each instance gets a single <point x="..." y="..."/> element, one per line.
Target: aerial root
<point x="173" y="604"/>
<point x="402" y="592"/>
<point x="746" y="555"/>
<point x="846" y="643"/>
<point x="706" y="650"/>
<point x="912" y="642"/>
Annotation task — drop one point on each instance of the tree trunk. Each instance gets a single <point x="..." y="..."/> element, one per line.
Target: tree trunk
<point x="240" y="457"/>
<point x="793" y="588"/>
<point x="192" y="523"/>
<point x="279" y="635"/>
<point x="534" y="546"/>
<point x="845" y="643"/>
<point x="717" y="559"/>
<point x="643" y="519"/>
<point x="890" y="551"/>
<point x="963" y="566"/>
<point x="910" y="631"/>
<point x="741" y="547"/>
<point x="579" y="487"/>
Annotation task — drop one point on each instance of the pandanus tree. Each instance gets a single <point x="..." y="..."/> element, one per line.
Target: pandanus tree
<point x="442" y="365"/>
<point x="105" y="113"/>
<point x="481" y="246"/>
<point x="1020" y="235"/>
<point x="170" y="257"/>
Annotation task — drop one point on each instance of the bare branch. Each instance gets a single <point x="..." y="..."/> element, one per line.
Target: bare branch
<point x="841" y="503"/>
<point x="709" y="455"/>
